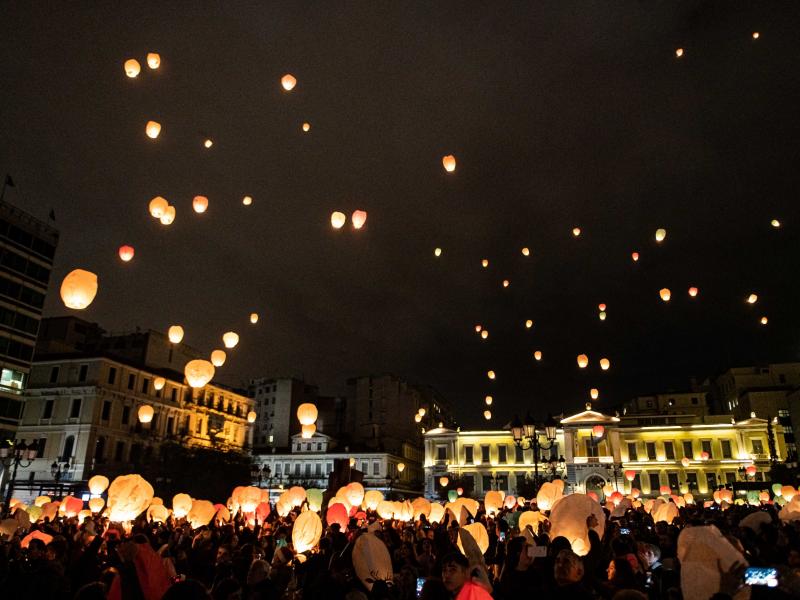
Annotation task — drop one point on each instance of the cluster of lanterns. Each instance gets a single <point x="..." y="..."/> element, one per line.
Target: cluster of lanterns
<point x="307" y="414"/>
<point x="358" y="218"/>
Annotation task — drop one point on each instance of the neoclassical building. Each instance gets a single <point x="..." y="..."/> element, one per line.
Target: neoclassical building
<point x="685" y="452"/>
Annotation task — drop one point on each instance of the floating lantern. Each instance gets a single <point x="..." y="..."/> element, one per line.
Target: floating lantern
<point x="630" y="475"/>
<point x="665" y="294"/>
<point x="598" y="431"/>
<point x="132" y="67"/>
<point x="752" y="298"/>
<point x="169" y="216"/>
<point x="198" y="372"/>
<point x="181" y="505"/>
<point x="338" y="219"/>
<point x="775" y="223"/>
<point x="704" y="455"/>
<point x="230" y="339"/>
<point x="158" y="207"/>
<point x="460" y="491"/>
<point x="583" y="361"/>
<point x="200" y="204"/>
<point x="400" y="468"/>
<point x="306" y="127"/>
<point x="660" y="235"/>
<point x="750" y="470"/>
<point x="488" y="400"/>
<point x="576" y="231"/>
<point x="485" y="334"/>
<point x="635" y="256"/>
<point x="308" y="431"/>
<point x="358" y="218"/>
<point x="254" y="318"/>
<point x="693" y="291"/>
<point x="528" y="324"/>
<point x="208" y="143"/>
<point x="201" y="513"/>
<point x="537" y="355"/>
<point x="128" y="496"/>
<point x="153" y="60"/>
<point x="247" y="200"/>
<point x="485" y="263"/>
<point x="96" y="504"/>
<point x="679" y="52"/>
<point x="601" y="306"/>
<point x="218" y="358"/>
<point x="418" y="418"/>
<point x="288" y="82"/>
<point x="490" y="374"/>
<point x="79" y="289"/>
<point x="594" y="393"/>
<point x="685" y="461"/>
<point x="422" y="412"/>
<point x="307" y="413"/>
<point x="251" y="416"/>
<point x="487" y="414"/>
<point x="602" y="315"/>
<point x="526" y="251"/>
<point x="306" y="531"/>
<point x="152" y="129"/>
<point x="506" y="283"/>
<point x="756" y="35"/>
<point x="98" y="484"/>
<point x="126" y="253"/>
<point x="449" y="163"/>
<point x="478" y="328"/>
<point x="145" y="413"/>
<point x="665" y="490"/>
<point x="159" y="383"/>
<point x="437" y="252"/>
<point x="444" y="480"/>
<point x="605" y="364"/>
<point x="764" y="320"/>
<point x="175" y="334"/>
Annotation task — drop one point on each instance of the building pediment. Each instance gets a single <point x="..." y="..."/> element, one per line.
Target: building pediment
<point x="589" y="417"/>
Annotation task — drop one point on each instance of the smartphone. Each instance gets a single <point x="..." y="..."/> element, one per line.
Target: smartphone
<point x="420" y="583"/>
<point x="537" y="551"/>
<point x="624" y="531"/>
<point x="280" y="543"/>
<point x="761" y="576"/>
<point x="502" y="536"/>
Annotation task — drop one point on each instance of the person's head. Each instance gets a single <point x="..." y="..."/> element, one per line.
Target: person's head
<point x="187" y="590"/>
<point x="36" y="549"/>
<point x="649" y="554"/>
<point x="620" y="572"/>
<point x="455" y="571"/>
<point x="558" y="544"/>
<point x="517" y="554"/>
<point x="427" y="546"/>
<point x="259" y="571"/>
<point x="568" y="568"/>
<point x="223" y="554"/>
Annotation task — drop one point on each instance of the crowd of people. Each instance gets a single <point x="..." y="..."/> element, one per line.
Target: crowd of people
<point x="635" y="558"/>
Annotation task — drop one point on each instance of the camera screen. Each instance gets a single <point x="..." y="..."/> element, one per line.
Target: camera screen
<point x="761" y="576"/>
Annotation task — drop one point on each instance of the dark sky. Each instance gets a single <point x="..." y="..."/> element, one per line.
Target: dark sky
<point x="560" y="114"/>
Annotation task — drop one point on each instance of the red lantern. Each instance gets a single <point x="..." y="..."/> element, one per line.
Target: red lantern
<point x="665" y="490"/>
<point x="598" y="431"/>
<point x="751" y="470"/>
<point x="704" y="455"/>
<point x="337" y="513"/>
<point x="444" y="480"/>
<point x="630" y="475"/>
<point x="126" y="253"/>
<point x="460" y="491"/>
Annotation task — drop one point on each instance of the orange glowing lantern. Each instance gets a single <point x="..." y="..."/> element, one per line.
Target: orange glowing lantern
<point x="145" y="413"/>
<point x="230" y="339"/>
<point x="288" y="82"/>
<point x="490" y="374"/>
<point x="693" y="291"/>
<point x="526" y="251"/>
<point x="598" y="431"/>
<point x="198" y="372"/>
<point x="576" y="231"/>
<point x="594" y="393"/>
<point x="605" y="364"/>
<point x="175" y="334"/>
<point x="251" y="416"/>
<point x="153" y="60"/>
<point x="583" y="361"/>
<point x="79" y="289"/>
<point x="218" y="358"/>
<point x="449" y="163"/>
<point x="630" y="475"/>
<point x="132" y="67"/>
<point x="752" y="298"/>
<point x="126" y="253"/>
<point x="338" y="219"/>
<point x="200" y="204"/>
<point x="152" y="129"/>
<point x="307" y="413"/>
<point x="537" y="355"/>
<point x="358" y="219"/>
<point x="751" y="470"/>
<point x="487" y="414"/>
<point x="306" y="127"/>
<point x="247" y="200"/>
<point x="158" y="207"/>
<point x="665" y="294"/>
<point x="485" y="263"/>
<point x="635" y="256"/>
<point x="444" y="480"/>
<point x="528" y="324"/>
<point x="159" y="383"/>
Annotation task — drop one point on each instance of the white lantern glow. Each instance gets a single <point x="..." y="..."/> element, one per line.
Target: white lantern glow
<point x="132" y="67"/>
<point x="175" y="334"/>
<point x="230" y="339"/>
<point x="152" y="129"/>
<point x="218" y="358"/>
<point x="198" y="372"/>
<point x="288" y="82"/>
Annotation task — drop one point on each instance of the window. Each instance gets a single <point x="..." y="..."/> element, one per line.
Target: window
<point x="318" y="469"/>
<point x="655" y="483"/>
<point x="485" y="454"/>
<point x="519" y="455"/>
<point x="54" y="375"/>
<point x="591" y="448"/>
<point x="145" y="385"/>
<point x="469" y="455"/>
<point x="376" y="468"/>
<point x="726" y="449"/>
<point x="131" y="381"/>
<point x="173" y="394"/>
<point x="758" y="447"/>
<point x="308" y="446"/>
<point x="106" y="410"/>
<point x="307" y="470"/>
<point x="47" y="411"/>
<point x="730" y="477"/>
<point x="706" y="445"/>
<point x="687" y="450"/>
<point x="487" y="483"/>
<point x="13" y="379"/>
<point x="637" y="482"/>
<point x="691" y="481"/>
<point x="669" y="450"/>
<point x="502" y="454"/>
<point x="75" y="411"/>
<point x="69" y="445"/>
<point x="651" y="450"/>
<point x="99" y="449"/>
<point x="119" y="451"/>
<point x="441" y="452"/>
<point x="112" y="375"/>
<point x="126" y="415"/>
<point x="711" y="481"/>
<point x="673" y="481"/>
<point x="319" y="446"/>
<point x="84" y="370"/>
<point x="632" y="452"/>
<point x="297" y="469"/>
<point x="41" y="445"/>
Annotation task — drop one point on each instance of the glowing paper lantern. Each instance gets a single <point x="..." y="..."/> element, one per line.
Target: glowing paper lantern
<point x="776" y="489"/>
<point x="71" y="506"/>
<point x="79" y="289"/>
<point x="42" y="500"/>
<point x="306" y="127"/>
<point x="337" y="514"/>
<point x="487" y="414"/>
<point x="153" y="60"/>
<point x="208" y="143"/>
<point x="764" y="320"/>
<point x="307" y="431"/>
<point x="506" y="283"/>
<point x="493" y="502"/>
<point x="200" y="204"/>
<point x="568" y="519"/>
<point x="371" y="560"/>
<point x="752" y="298"/>
<point x="594" y="393"/>
<point x="704" y="455"/>
<point x="230" y="339"/>
<point x="251" y="416"/>
<point x="444" y="480"/>
<point x="601" y="307"/>
<point x="96" y="504"/>
<point x="484" y="334"/>
<point x="181" y="505"/>
<point x="159" y="383"/>
<point x="485" y="263"/>
<point x="583" y="361"/>
<point x="665" y="294"/>
<point x="247" y="200"/>
<point x="175" y="334"/>
<point x="479" y="534"/>
<point x="126" y="253"/>
<point x="532" y="519"/>
<point x="598" y="431"/>
<point x="679" y="52"/>
<point x="422" y="411"/>
<point x="788" y="492"/>
<point x="665" y="511"/>
<point x="421" y="507"/>
<point x="371" y="499"/>
<point x="98" y="484"/>
<point x="338" y="219"/>
<point x="418" y="418"/>
<point x="630" y="475"/>
<point x="201" y="513"/>
<point x="756" y="35"/>
<point x="605" y="364"/>
<point x="537" y="355"/>
<point x="152" y="129"/>
<point x="660" y="235"/>
<point x="635" y="256"/>
<point x="490" y="374"/>
<point x="307" y="413"/>
<point x="602" y="315"/>
<point x="437" y="512"/>
<point x="218" y="358"/>
<point x="528" y="324"/>
<point x="128" y="497"/>
<point x="157" y="207"/>
<point x="550" y="493"/>
<point x="354" y="493"/>
<point x="665" y="490"/>
<point x="254" y="318"/>
<point x="751" y="470"/>
<point x="198" y="372"/>
<point x="247" y="498"/>
<point x="145" y="413"/>
<point x="169" y="216"/>
<point x="693" y="291"/>
<point x="775" y="223"/>
<point x="449" y="163"/>
<point x="526" y="252"/>
<point x="288" y="82"/>
<point x="685" y="461"/>
<point x="358" y="218"/>
<point x="437" y="252"/>
<point x="306" y="531"/>
<point x="36" y="535"/>
<point x="400" y="468"/>
<point x="488" y="400"/>
<point x="132" y="67"/>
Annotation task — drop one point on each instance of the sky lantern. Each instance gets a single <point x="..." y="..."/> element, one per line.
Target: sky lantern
<point x="181" y="505"/>
<point x="157" y="207"/>
<point x="175" y="334"/>
<point x="630" y="474"/>
<point x="665" y="294"/>
<point x="488" y="400"/>
<point x="506" y="283"/>
<point x="594" y="393"/>
<point x="338" y="219"/>
<point x="218" y="358"/>
<point x="660" y="235"/>
<point x="528" y="324"/>
<point x="128" y="496"/>
<point x="526" y="251"/>
<point x="306" y="127"/>
<point x="208" y="143"/>
<point x="478" y="328"/>
<point x="437" y="252"/>
<point x="200" y="204"/>
<point x="145" y="413"/>
<point x="422" y="411"/>
<point x="444" y="480"/>
<point x="583" y="361"/>
<point x="704" y="455"/>
<point x="96" y="504"/>
<point x="449" y="163"/>
<point x="418" y="418"/>
<point x="537" y="355"/>
<point x="751" y="470"/>
<point x="153" y="60"/>
<point x="247" y="200"/>
<point x="79" y="289"/>
<point x="693" y="291"/>
<point x="198" y="372"/>
<point x="635" y="256"/>
<point x="169" y="216"/>
<point x="288" y="82"/>
<point x="756" y="35"/>
<point x="576" y="231"/>
<point x="490" y="374"/>
<point x="230" y="339"/>
<point x="775" y="223"/>
<point x="665" y="490"/>
<point x="358" y="218"/>
<point x="306" y="531"/>
<point x="485" y="334"/>
<point x="685" y="461"/>
<point x="602" y="315"/>
<point x="679" y="52"/>
<point x="598" y="431"/>
<point x="485" y="263"/>
<point x="752" y="298"/>
<point x="254" y="318"/>
<point x="307" y="413"/>
<point x="126" y="253"/>
<point x="308" y="431"/>
<point x="764" y="320"/>
<point x="132" y="67"/>
<point x="98" y="484"/>
<point x="601" y="306"/>
<point x="605" y="364"/>
<point x="487" y="414"/>
<point x="152" y="129"/>
<point x="159" y="383"/>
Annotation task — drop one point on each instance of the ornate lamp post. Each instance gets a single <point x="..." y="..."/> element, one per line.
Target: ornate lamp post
<point x="15" y="454"/>
<point x="528" y="435"/>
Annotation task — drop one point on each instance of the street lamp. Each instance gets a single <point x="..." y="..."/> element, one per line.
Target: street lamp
<point x="15" y="453"/>
<point x="527" y="435"/>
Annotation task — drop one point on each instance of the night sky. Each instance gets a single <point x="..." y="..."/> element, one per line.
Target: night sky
<point x="560" y="114"/>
